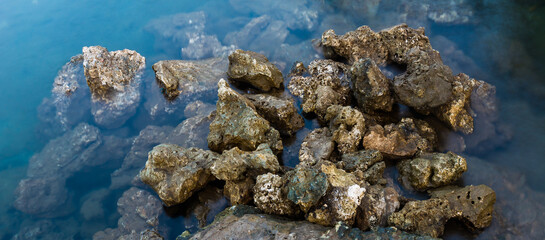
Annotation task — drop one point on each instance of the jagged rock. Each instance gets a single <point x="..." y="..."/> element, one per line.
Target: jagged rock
<point x="236" y="164"/>
<point x="189" y="78"/>
<point x="239" y="192"/>
<point x="427" y="217"/>
<point x="376" y="206"/>
<point x="306" y="186"/>
<point x="455" y="113"/>
<point x="328" y="85"/>
<point x="371" y="88"/>
<point x="399" y="39"/>
<point x="43" y="197"/>
<point x="270" y="195"/>
<point x="281" y="113"/>
<point x="139" y="219"/>
<point x="431" y="170"/>
<point x="258" y="34"/>
<point x="347" y="126"/>
<point x="355" y="45"/>
<point x="317" y="146"/>
<point x="367" y="165"/>
<point x="114" y="81"/>
<point x="175" y="173"/>
<point x="472" y="204"/>
<point x="237" y="124"/>
<point x="404" y="139"/>
<point x="254" y="69"/>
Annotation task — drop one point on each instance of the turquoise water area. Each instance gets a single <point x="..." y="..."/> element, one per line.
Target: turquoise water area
<point x="501" y="42"/>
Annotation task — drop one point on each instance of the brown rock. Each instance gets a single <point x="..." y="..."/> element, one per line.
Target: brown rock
<point x="270" y="195"/>
<point x="239" y="192"/>
<point x="347" y="125"/>
<point x="431" y="170"/>
<point x="255" y="69"/>
<point x="355" y="45"/>
<point x="371" y="88"/>
<point x="376" y="206"/>
<point x="281" y="113"/>
<point x="317" y="146"/>
<point x="426" y="217"/>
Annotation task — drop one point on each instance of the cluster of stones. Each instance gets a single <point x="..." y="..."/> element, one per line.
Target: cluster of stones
<point x="340" y="175"/>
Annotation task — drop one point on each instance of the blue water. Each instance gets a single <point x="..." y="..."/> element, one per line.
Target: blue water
<point x="503" y="43"/>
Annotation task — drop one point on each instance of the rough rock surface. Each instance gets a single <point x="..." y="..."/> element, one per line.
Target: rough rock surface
<point x="327" y="85"/>
<point x="404" y="139"/>
<point x="114" y="81"/>
<point x="270" y="195"/>
<point x="426" y="217"/>
<point x="317" y="146"/>
<point x="254" y="69"/>
<point x="399" y="39"/>
<point x="456" y="113"/>
<point x="239" y="192"/>
<point x="306" y="186"/>
<point x="175" y="173"/>
<point x="473" y="205"/>
<point x="367" y="165"/>
<point x="371" y="88"/>
<point x="281" y="113"/>
<point x="236" y="164"/>
<point x="376" y="206"/>
<point x="431" y="170"/>
<point x="355" y="45"/>
<point x="44" y="197"/>
<point x="139" y="219"/>
<point x="189" y="78"/>
<point x="237" y="124"/>
<point x="347" y="125"/>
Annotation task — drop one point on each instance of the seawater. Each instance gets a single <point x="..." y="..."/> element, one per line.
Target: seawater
<point x="503" y="43"/>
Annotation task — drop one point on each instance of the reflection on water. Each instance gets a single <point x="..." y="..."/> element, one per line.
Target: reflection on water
<point x="500" y="42"/>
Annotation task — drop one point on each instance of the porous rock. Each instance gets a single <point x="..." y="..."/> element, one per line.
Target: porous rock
<point x="254" y="69"/>
<point x="270" y="195"/>
<point x="427" y="217"/>
<point x="376" y="206"/>
<point x="281" y="113"/>
<point x="237" y="124"/>
<point x="399" y="39"/>
<point x="347" y="126"/>
<point x="370" y="87"/>
<point x="431" y="170"/>
<point x="355" y="45"/>
<point x="317" y="146"/>
<point x="367" y="165"/>
<point x="236" y="164"/>
<point x="239" y="192"/>
<point x="175" y="173"/>
<point x="306" y="186"/>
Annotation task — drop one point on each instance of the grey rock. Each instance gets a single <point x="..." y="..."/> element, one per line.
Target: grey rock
<point x="376" y="206"/>
<point x="43" y="197"/>
<point x="258" y="34"/>
<point x="281" y="113"/>
<point x="370" y="87"/>
<point x="317" y="146"/>
<point x="254" y="69"/>
<point x="367" y="165"/>
<point x="306" y="186"/>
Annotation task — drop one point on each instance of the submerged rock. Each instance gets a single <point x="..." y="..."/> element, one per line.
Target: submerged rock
<point x="431" y="170"/>
<point x="270" y="195"/>
<point x="281" y="113"/>
<point x="189" y="78"/>
<point x="473" y="205"/>
<point x="371" y="88"/>
<point x="317" y="146"/>
<point x="347" y="126"/>
<point x="254" y="69"/>
<point x="43" y="197"/>
<point x="376" y="206"/>
<point x="175" y="173"/>
<point x="259" y="34"/>
<point x="427" y="217"/>
<point x="237" y="124"/>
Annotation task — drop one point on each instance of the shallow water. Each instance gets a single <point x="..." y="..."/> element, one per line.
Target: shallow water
<point x="502" y="42"/>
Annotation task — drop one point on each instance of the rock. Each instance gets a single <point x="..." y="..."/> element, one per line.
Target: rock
<point x="473" y="205"/>
<point x="404" y="139"/>
<point x="237" y="124"/>
<point x="258" y="34"/>
<point x="371" y="88"/>
<point x="281" y="113"/>
<point x="328" y="85"/>
<point x="175" y="173"/>
<point x="347" y="126"/>
<point x="93" y="208"/>
<point x="198" y="108"/>
<point x="235" y="164"/>
<point x="139" y="219"/>
<point x="176" y="30"/>
<point x="203" y="46"/>
<point x="306" y="186"/>
<point x="254" y="69"/>
<point x="291" y="53"/>
<point x="114" y="81"/>
<point x="189" y="78"/>
<point x="317" y="146"/>
<point x="43" y="197"/>
<point x="376" y="206"/>
<point x="399" y="39"/>
<point x="431" y="170"/>
<point x="455" y="113"/>
<point x="355" y="45"/>
<point x="46" y="229"/>
<point x="239" y="192"/>
<point x="270" y="195"/>
<point x="367" y="165"/>
<point x="427" y="217"/>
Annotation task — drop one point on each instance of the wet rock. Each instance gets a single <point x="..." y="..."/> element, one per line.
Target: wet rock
<point x="281" y="113"/>
<point x="176" y="30"/>
<point x="355" y="45"/>
<point x="254" y="69"/>
<point x="237" y="124"/>
<point x="400" y="140"/>
<point x="239" y="192"/>
<point x="347" y="126"/>
<point x="306" y="186"/>
<point x="259" y="34"/>
<point x="114" y="81"/>
<point x="175" y="173"/>
<point x="93" y="207"/>
<point x="43" y="197"/>
<point x="198" y="108"/>
<point x="399" y="39"/>
<point x="189" y="78"/>
<point x="236" y="164"/>
<point x="270" y="195"/>
<point x="431" y="170"/>
<point x="203" y="46"/>
<point x="426" y="217"/>
<point x="455" y="113"/>
<point x="317" y="146"/>
<point x="139" y="219"/>
<point x="371" y="88"/>
<point x="367" y="165"/>
<point x="328" y="85"/>
<point x="472" y="204"/>
<point x="376" y="206"/>
<point x="451" y="12"/>
<point x="291" y="53"/>
<point x="45" y="229"/>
